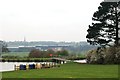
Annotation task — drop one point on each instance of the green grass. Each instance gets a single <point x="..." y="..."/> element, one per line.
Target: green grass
<point x="69" y="70"/>
<point x="20" y="54"/>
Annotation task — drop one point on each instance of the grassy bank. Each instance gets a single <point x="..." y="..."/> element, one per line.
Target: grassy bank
<point x="70" y="70"/>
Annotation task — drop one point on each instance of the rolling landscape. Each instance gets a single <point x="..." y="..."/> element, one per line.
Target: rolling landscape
<point x="60" y="40"/>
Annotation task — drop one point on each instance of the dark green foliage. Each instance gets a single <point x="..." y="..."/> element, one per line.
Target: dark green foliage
<point x="10" y="57"/>
<point x="104" y="32"/>
<point x="104" y="28"/>
<point x="16" y="59"/>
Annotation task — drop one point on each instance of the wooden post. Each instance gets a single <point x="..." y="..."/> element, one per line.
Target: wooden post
<point x="27" y="67"/>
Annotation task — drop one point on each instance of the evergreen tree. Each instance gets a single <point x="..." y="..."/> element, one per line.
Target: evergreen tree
<point x="104" y="28"/>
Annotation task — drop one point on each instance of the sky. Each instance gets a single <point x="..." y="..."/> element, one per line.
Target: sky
<point x="46" y="20"/>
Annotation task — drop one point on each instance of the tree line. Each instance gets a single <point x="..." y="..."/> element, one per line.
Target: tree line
<point x="36" y="53"/>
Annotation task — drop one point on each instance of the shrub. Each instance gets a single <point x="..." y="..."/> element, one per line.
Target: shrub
<point x="110" y="55"/>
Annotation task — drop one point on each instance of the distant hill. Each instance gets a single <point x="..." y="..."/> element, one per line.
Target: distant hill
<point x="74" y="46"/>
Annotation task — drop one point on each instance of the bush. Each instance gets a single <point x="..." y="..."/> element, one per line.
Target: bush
<point x="110" y="55"/>
<point x="117" y="55"/>
<point x="90" y="56"/>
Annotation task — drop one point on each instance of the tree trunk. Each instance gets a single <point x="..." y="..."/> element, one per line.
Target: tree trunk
<point x="117" y="33"/>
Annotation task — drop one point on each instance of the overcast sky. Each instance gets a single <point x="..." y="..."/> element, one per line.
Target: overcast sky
<point x="46" y="20"/>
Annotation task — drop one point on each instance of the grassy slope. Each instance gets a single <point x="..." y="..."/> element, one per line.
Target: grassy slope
<point x="71" y="70"/>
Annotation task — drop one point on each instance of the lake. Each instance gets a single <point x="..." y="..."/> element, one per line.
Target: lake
<point x="9" y="66"/>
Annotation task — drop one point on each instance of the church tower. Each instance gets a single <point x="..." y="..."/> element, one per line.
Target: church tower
<point x="24" y="41"/>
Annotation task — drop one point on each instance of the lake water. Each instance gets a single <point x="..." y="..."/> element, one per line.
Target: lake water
<point x="81" y="61"/>
<point x="9" y="66"/>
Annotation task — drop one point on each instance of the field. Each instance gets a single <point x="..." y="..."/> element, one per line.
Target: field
<point x="69" y="70"/>
<point x="20" y="54"/>
<point x="26" y="54"/>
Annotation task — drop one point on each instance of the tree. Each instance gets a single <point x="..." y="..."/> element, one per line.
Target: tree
<point x="35" y="54"/>
<point x="62" y="53"/>
<point x="104" y="29"/>
<point x="3" y="46"/>
<point x="50" y="52"/>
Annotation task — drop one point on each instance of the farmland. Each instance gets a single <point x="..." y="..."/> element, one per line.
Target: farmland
<point x="20" y="54"/>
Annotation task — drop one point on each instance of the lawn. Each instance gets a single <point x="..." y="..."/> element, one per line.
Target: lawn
<point x="69" y="70"/>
